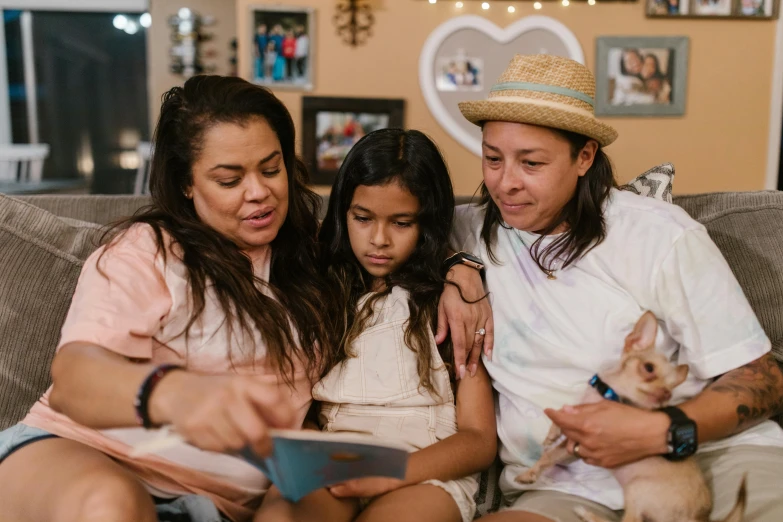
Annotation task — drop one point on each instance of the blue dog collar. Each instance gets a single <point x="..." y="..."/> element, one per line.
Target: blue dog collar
<point x="604" y="389"/>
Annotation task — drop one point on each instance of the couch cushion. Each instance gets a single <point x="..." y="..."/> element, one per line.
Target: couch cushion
<point x="93" y="209"/>
<point x="746" y="227"/>
<point x="40" y="261"/>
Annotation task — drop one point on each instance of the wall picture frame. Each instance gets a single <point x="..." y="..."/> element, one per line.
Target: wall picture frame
<point x="641" y="75"/>
<point x="332" y="126"/>
<point x="283" y="46"/>
<point x="464" y="56"/>
<point x="714" y="9"/>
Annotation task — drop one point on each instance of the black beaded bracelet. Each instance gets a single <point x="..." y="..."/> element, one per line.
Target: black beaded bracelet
<point x="145" y="391"/>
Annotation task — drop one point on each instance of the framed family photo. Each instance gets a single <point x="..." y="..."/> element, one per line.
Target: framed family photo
<point x="756" y="8"/>
<point x="732" y="9"/>
<point x="459" y="73"/>
<point x="668" y="7"/>
<point x="641" y="76"/>
<point x="282" y="46"/>
<point x="331" y="127"/>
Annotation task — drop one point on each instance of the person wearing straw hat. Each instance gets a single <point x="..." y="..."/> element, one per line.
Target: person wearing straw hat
<point x="571" y="264"/>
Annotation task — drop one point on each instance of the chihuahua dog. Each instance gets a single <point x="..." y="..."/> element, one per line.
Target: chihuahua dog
<point x="655" y="489"/>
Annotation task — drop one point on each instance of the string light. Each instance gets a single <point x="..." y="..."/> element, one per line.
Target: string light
<point x="459" y="5"/>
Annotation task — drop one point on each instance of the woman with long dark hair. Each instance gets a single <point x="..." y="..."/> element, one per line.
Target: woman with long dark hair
<point x="203" y="312"/>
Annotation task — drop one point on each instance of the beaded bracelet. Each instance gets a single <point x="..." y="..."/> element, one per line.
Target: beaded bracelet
<point x="145" y="391"/>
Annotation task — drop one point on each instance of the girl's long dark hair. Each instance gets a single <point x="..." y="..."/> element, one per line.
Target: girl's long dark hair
<point x="212" y="260"/>
<point x="583" y="213"/>
<point x="412" y="160"/>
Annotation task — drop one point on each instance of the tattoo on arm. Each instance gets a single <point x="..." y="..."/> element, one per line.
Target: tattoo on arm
<point x="758" y="389"/>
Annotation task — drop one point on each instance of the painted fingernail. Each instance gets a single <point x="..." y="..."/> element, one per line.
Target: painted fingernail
<point x="473" y="369"/>
<point x="488" y="353"/>
<point x="462" y="371"/>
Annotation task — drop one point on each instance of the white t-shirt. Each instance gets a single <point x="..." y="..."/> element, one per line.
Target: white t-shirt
<point x="551" y="336"/>
<point x="302" y="46"/>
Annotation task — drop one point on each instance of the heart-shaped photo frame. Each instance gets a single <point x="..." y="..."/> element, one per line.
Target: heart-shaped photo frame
<point x="467" y="47"/>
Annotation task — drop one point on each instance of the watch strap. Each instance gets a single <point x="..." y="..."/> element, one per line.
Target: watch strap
<point x="676" y="414"/>
<point x="465" y="259"/>
<point x="678" y="418"/>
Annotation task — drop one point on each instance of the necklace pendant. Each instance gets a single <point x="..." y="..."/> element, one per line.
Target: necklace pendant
<point x="550" y="275"/>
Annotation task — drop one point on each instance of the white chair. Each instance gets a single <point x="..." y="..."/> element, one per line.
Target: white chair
<point x="142" y="184"/>
<point x="22" y="163"/>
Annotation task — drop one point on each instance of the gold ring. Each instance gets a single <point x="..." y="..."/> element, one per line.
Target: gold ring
<point x="576" y="451"/>
<point x="481" y="331"/>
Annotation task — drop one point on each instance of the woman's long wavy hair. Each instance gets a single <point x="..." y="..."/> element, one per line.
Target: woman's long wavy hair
<point x="412" y="160"/>
<point x="212" y="260"/>
<point x="583" y="214"/>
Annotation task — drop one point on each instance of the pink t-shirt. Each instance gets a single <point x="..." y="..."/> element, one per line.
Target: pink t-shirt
<point x="139" y="307"/>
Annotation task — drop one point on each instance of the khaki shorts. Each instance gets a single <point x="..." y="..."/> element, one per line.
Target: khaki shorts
<point x="461" y="490"/>
<point x="722" y="468"/>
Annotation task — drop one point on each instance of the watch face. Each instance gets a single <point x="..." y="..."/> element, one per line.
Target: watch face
<point x="684" y="440"/>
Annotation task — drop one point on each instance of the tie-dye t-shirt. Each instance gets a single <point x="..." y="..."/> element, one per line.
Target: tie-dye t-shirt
<point x="551" y="336"/>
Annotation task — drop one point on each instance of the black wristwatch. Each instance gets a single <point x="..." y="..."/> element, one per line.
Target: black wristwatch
<point x="465" y="259"/>
<point x="683" y="439"/>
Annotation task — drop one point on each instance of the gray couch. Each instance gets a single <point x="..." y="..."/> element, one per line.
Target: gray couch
<point x="45" y="239"/>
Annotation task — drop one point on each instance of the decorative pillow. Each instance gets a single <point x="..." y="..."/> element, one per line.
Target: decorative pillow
<point x="655" y="183"/>
<point x="41" y="257"/>
<point x="489" y="497"/>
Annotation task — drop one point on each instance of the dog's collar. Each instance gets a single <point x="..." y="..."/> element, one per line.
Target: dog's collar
<point x="605" y="390"/>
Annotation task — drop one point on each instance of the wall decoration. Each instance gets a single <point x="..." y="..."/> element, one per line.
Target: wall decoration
<point x="729" y="9"/>
<point x="641" y="76"/>
<point x="711" y="7"/>
<point x="283" y="46"/>
<point x="354" y="20"/>
<point x="480" y="52"/>
<point x="667" y="7"/>
<point x="760" y="9"/>
<point x="187" y="37"/>
<point x="331" y="126"/>
<point x="459" y="73"/>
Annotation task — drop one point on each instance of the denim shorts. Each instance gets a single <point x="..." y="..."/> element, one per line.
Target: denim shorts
<point x="187" y="508"/>
<point x="18" y="436"/>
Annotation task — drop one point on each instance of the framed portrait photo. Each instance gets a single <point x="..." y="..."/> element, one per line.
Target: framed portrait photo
<point x="641" y="76"/>
<point x="282" y="40"/>
<point x="666" y="8"/>
<point x="711" y="7"/>
<point x="727" y="9"/>
<point x="756" y="8"/>
<point x="459" y="73"/>
<point x="331" y="127"/>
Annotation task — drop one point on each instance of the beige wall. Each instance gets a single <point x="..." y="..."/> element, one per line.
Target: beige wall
<point x="720" y="144"/>
<point x="159" y="43"/>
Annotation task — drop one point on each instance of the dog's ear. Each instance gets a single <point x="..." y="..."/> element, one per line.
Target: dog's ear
<point x="682" y="373"/>
<point x="643" y="335"/>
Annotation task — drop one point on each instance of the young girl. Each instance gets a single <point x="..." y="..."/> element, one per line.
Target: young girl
<point x="383" y="239"/>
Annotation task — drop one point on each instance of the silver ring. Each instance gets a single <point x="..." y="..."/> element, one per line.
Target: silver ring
<point x="576" y="451"/>
<point x="481" y="331"/>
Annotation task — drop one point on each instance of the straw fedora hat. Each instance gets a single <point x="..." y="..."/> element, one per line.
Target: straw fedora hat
<point x="545" y="90"/>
